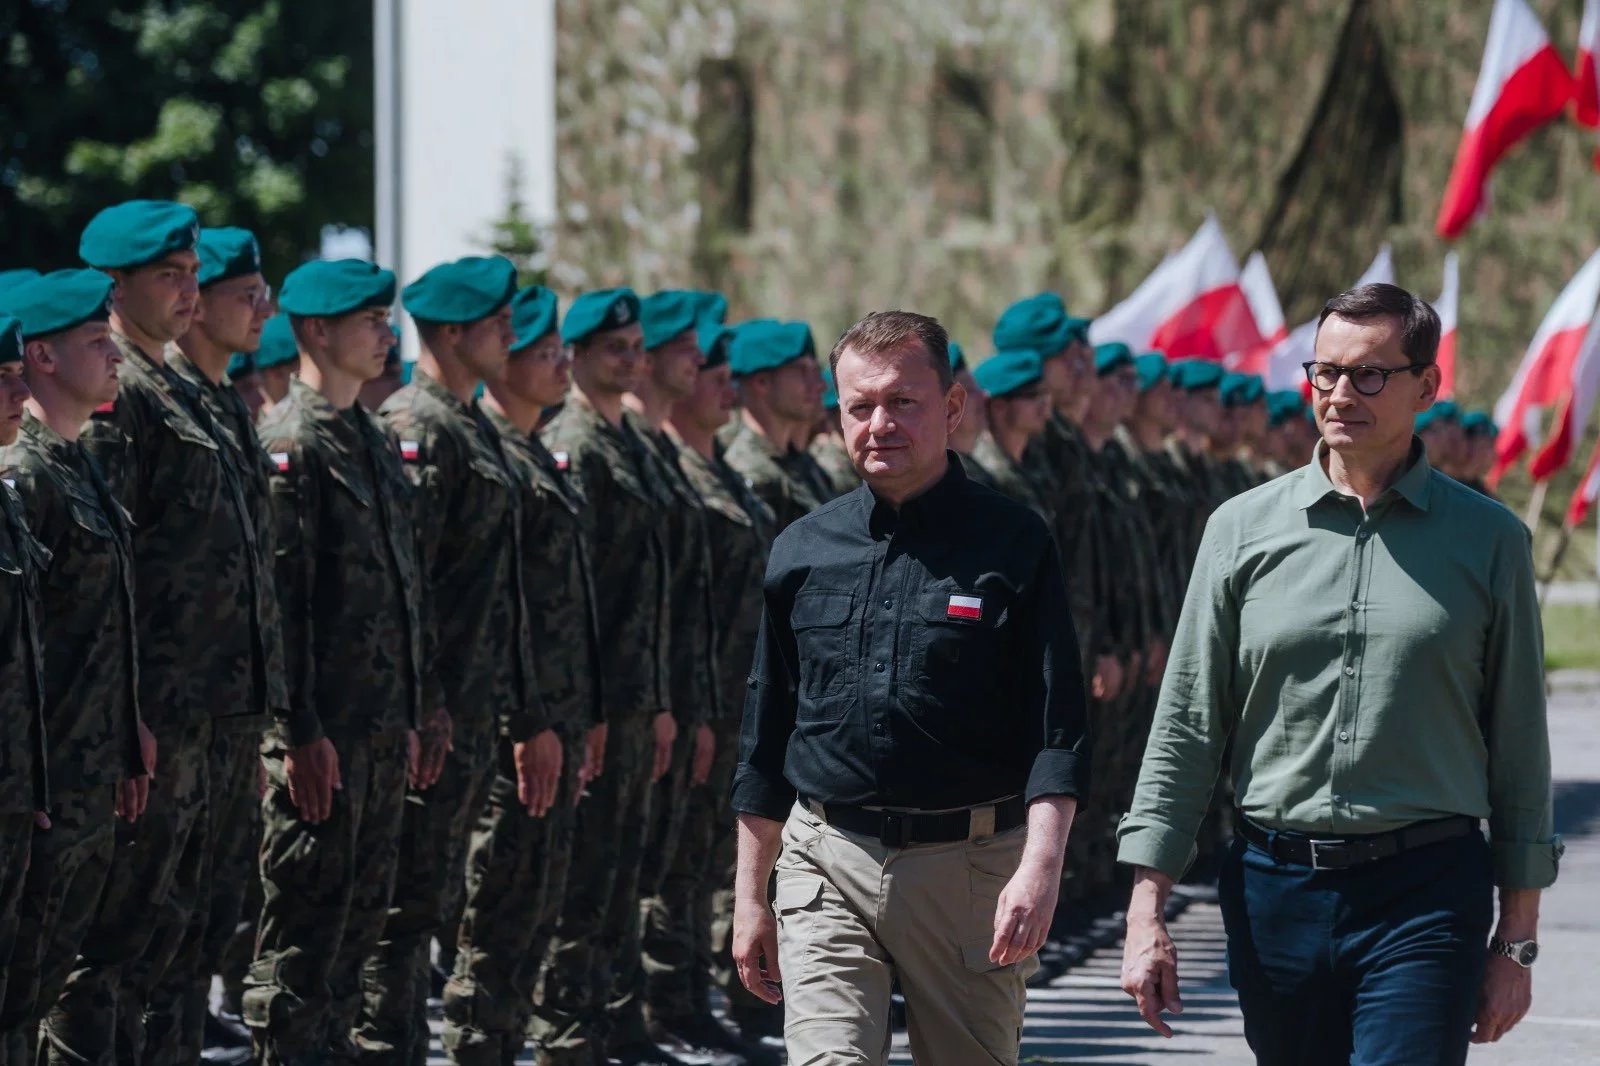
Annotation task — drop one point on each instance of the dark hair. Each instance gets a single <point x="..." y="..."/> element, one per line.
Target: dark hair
<point x="1419" y="322"/>
<point x="884" y="331"/>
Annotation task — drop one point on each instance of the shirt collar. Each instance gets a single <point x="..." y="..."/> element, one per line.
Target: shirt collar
<point x="1413" y="486"/>
<point x="437" y="390"/>
<point x="926" y="509"/>
<point x="47" y="440"/>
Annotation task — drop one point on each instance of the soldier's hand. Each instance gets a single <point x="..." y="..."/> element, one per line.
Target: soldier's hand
<point x="755" y="949"/>
<point x="313" y="773"/>
<point x="41" y="820"/>
<point x="133" y="796"/>
<point x="147" y="749"/>
<point x="705" y="750"/>
<point x="538" y="772"/>
<point x="594" y="759"/>
<point x="436" y="743"/>
<point x="413" y="755"/>
<point x="666" y="735"/>
<point x="1107" y="677"/>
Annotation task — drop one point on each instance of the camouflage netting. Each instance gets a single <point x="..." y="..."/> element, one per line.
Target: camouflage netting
<point x="817" y="159"/>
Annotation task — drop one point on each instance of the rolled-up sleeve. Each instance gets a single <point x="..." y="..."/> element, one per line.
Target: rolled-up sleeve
<point x="759" y="784"/>
<point x="1061" y="767"/>
<point x="1193" y="718"/>
<point x="1526" y="849"/>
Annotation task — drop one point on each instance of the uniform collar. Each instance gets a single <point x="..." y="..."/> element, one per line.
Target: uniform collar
<point x="435" y="389"/>
<point x="929" y="509"/>
<point x="1413" y="486"/>
<point x="46" y="440"/>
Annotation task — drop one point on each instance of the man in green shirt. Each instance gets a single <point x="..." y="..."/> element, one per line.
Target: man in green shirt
<point x="1365" y="633"/>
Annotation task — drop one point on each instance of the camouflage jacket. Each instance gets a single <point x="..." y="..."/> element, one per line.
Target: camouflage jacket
<point x="834" y="462"/>
<point x="200" y="587"/>
<point x="740" y="530"/>
<point x="976" y="472"/>
<point x="773" y="478"/>
<point x="1058" y="463"/>
<point x="477" y="656"/>
<point x="1006" y="475"/>
<point x="91" y="670"/>
<point x="560" y="585"/>
<point x="627" y="530"/>
<point x="348" y="579"/>
<point x="24" y="781"/>
<point x="692" y="647"/>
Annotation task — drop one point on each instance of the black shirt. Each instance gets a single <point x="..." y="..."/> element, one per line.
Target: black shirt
<point x="922" y="659"/>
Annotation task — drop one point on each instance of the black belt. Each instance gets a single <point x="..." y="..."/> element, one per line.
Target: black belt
<point x="1341" y="853"/>
<point x="898" y="829"/>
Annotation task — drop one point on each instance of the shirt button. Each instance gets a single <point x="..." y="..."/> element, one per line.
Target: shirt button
<point x="888" y="605"/>
<point x="1343" y="735"/>
<point x="1349" y="671"/>
<point x="1338" y="798"/>
<point x="1355" y="605"/>
<point x="878" y="667"/>
<point x="877" y="727"/>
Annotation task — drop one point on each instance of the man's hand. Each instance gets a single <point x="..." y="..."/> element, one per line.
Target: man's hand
<point x="436" y="743"/>
<point x="133" y="794"/>
<point x="413" y="754"/>
<point x="594" y="759"/>
<point x="755" y="949"/>
<point x="1149" y="958"/>
<point x="1107" y="680"/>
<point x="147" y="748"/>
<point x="538" y="772"/>
<point x="666" y="734"/>
<point x="313" y="773"/>
<point x="1156" y="662"/>
<point x="705" y="750"/>
<point x="1022" y="917"/>
<point x="1507" y="994"/>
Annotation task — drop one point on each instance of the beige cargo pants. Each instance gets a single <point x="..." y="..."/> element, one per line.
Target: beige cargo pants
<point x="853" y="915"/>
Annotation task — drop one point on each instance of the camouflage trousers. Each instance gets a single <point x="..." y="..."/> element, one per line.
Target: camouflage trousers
<point x="233" y="839"/>
<point x="516" y="879"/>
<point x="326" y="890"/>
<point x="16" y="835"/>
<point x="571" y="1023"/>
<point x="677" y="918"/>
<point x="67" y="869"/>
<point x="156" y="883"/>
<point x="393" y="1025"/>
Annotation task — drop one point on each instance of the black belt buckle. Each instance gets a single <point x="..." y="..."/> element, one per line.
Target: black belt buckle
<point x="893" y="834"/>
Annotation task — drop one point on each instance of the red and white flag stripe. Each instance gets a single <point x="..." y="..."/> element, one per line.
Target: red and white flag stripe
<point x="1558" y="357"/>
<point x="1522" y="83"/>
<point x="1255" y="281"/>
<point x="1191" y="306"/>
<point x="1446" y="306"/>
<point x="1587" y="92"/>
<point x="1588" y="490"/>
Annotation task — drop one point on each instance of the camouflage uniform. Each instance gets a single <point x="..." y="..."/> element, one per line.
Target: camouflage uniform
<point x="91" y="713"/>
<point x="627" y="531"/>
<point x="205" y="670"/>
<point x="834" y="461"/>
<point x="790" y="485"/>
<point x="1006" y="475"/>
<point x="351" y="593"/>
<point x="23" y="773"/>
<point x="677" y="945"/>
<point x="476" y="663"/>
<point x="516" y="865"/>
<point x="975" y="470"/>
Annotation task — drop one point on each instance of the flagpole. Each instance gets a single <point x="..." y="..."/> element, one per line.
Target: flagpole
<point x="1536" y="506"/>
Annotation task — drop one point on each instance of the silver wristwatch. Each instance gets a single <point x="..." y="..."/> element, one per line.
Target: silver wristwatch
<point x="1521" y="952"/>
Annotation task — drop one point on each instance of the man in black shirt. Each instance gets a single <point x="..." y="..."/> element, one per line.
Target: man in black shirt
<point x="913" y="740"/>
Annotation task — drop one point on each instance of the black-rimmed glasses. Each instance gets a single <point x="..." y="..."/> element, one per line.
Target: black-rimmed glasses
<point x="1368" y="380"/>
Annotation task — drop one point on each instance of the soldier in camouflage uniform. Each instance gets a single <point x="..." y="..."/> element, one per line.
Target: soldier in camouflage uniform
<point x="24" y="790"/>
<point x="627" y="532"/>
<point x="1019" y="411"/>
<point x="203" y="626"/>
<point x="974" y="422"/>
<point x="679" y="950"/>
<point x="517" y="865"/>
<point x="234" y="301"/>
<point x="95" y="763"/>
<point x="351" y="600"/>
<point x="827" y="443"/>
<point x="479" y="691"/>
<point x="780" y="392"/>
<point x="278" y="358"/>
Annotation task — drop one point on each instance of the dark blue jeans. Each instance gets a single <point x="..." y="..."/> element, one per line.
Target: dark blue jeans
<point x="1377" y="964"/>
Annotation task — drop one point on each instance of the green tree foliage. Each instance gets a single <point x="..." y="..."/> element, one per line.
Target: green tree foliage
<point x="256" y="112"/>
<point x="515" y="235"/>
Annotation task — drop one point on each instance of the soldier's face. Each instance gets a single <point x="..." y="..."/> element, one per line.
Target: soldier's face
<point x="896" y="418"/>
<point x="675" y="364"/>
<point x="84" y="361"/>
<point x="13" y="393"/>
<point x="231" y="313"/>
<point x="160" y="299"/>
<point x="975" y="418"/>
<point x="1203" y="410"/>
<point x="358" y="345"/>
<point x="795" y="391"/>
<point x="1027" y="411"/>
<point x="540" y="372"/>
<point x="486" y="344"/>
<point x="248" y="386"/>
<point x="710" y="403"/>
<point x="613" y="359"/>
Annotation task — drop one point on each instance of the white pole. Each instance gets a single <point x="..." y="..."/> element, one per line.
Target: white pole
<point x="386" y="107"/>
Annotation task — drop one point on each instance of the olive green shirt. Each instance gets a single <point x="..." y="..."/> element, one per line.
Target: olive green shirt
<point x="1372" y="669"/>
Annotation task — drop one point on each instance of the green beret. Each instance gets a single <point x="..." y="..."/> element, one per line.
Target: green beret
<point x="958" y="358"/>
<point x="1479" y="424"/>
<point x="713" y="308"/>
<point x="467" y="290"/>
<point x="1192" y="375"/>
<point x="1441" y="412"/>
<point x="60" y="300"/>
<point x="668" y="313"/>
<point x="596" y="312"/>
<point x="328" y="288"/>
<point x="830" y="392"/>
<point x="1009" y="370"/>
<point x="227" y="252"/>
<point x="714" y="339"/>
<point x="766" y="344"/>
<point x="1039" y="323"/>
<point x="241" y="364"/>
<point x="1111" y="356"/>
<point x="1283" y="405"/>
<point x="138" y="232"/>
<point x="1151" y="367"/>
<point x="11" y="279"/>
<point x="278" y="345"/>
<point x="1241" y="390"/>
<point x="10" y="340"/>
<point x="533" y="314"/>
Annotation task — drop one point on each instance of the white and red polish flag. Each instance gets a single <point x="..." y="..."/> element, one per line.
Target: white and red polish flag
<point x="1560" y="360"/>
<point x="1522" y="83"/>
<point x="1587" y="91"/>
<point x="1190" y="307"/>
<point x="1588" y="490"/>
<point x="1262" y="296"/>
<point x="1446" y="305"/>
<point x="1286" y="365"/>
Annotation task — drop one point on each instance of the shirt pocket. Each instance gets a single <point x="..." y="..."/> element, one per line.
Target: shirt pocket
<point x="821" y="623"/>
<point x="346" y="525"/>
<point x="955" y="646"/>
<point x="190" y="470"/>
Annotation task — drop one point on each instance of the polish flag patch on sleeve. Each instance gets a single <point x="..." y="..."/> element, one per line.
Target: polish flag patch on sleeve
<point x="965" y="608"/>
<point x="410" y="451"/>
<point x="106" y="408"/>
<point x="563" y="460"/>
<point x="281" y="461"/>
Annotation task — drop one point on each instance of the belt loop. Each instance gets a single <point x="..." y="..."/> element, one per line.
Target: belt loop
<point x="982" y="822"/>
<point x="1272" y="846"/>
